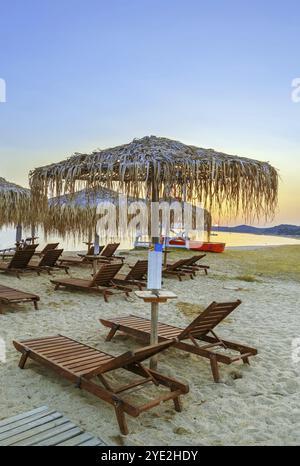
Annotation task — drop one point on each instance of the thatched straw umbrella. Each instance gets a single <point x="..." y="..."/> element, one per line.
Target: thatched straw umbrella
<point x="157" y="168"/>
<point x="76" y="215"/>
<point x="161" y="167"/>
<point x="15" y="206"/>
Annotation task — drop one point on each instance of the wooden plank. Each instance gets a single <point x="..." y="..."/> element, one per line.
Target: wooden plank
<point x="94" y="442"/>
<point x="59" y="437"/>
<point x="26" y="423"/>
<point x="60" y="431"/>
<point x="28" y="430"/>
<point x="81" y="438"/>
<point x="11" y="420"/>
<point x="46" y="434"/>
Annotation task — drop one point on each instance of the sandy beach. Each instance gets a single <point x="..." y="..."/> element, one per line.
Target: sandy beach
<point x="253" y="405"/>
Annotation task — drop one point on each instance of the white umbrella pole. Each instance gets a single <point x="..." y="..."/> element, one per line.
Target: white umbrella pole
<point x="18" y="235"/>
<point x="33" y="233"/>
<point x="96" y="251"/>
<point x="154" y="269"/>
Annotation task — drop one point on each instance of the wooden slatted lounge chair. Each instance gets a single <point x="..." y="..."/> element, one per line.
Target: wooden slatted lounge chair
<point x="190" y="337"/>
<point x="44" y="427"/>
<point x="192" y="264"/>
<point x="85" y="366"/>
<point x="91" y="252"/>
<point x="135" y="277"/>
<point x="108" y="253"/>
<point x="177" y="269"/>
<point x="48" y="262"/>
<point x="48" y="247"/>
<point x="81" y="259"/>
<point x="102" y="282"/>
<point x="73" y="260"/>
<point x="11" y="296"/>
<point x="18" y="263"/>
<point x="23" y="247"/>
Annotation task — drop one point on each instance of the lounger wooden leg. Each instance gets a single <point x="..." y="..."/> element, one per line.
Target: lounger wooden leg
<point x="214" y="368"/>
<point x="112" y="332"/>
<point x="23" y="359"/>
<point x="56" y="287"/>
<point x="177" y="404"/>
<point x="105" y="296"/>
<point x="36" y="307"/>
<point x="121" y="419"/>
<point x="245" y="359"/>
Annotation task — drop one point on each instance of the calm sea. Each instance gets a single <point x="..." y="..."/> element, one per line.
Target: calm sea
<point x="7" y="238"/>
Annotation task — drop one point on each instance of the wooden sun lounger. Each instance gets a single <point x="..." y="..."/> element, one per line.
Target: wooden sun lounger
<point x="81" y="259"/>
<point x="25" y="247"/>
<point x="48" y="262"/>
<point x="10" y="296"/>
<point x="102" y="282"/>
<point x="91" y="252"/>
<point x="190" y="337"/>
<point x="85" y="366"/>
<point x="192" y="264"/>
<point x="69" y="260"/>
<point x="177" y="269"/>
<point x="108" y="253"/>
<point x="44" y="427"/>
<point x="18" y="263"/>
<point x="48" y="247"/>
<point x="135" y="277"/>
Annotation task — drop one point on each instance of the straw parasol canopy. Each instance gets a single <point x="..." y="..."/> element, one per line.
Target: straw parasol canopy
<point x="224" y="183"/>
<point x="76" y="215"/>
<point x="15" y="204"/>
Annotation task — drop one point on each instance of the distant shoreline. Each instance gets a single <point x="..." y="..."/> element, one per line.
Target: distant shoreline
<point x="257" y="234"/>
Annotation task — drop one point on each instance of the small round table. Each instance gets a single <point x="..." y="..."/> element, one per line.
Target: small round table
<point x="155" y="297"/>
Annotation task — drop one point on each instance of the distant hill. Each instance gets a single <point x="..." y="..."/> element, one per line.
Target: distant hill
<point x="279" y="230"/>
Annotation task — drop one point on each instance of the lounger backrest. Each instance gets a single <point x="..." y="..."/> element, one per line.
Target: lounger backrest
<point x="105" y="275"/>
<point x="138" y="271"/>
<point x="29" y="247"/>
<point x="209" y="319"/>
<point x="194" y="259"/>
<point x="130" y="357"/>
<point x="177" y="265"/>
<point x="49" y="247"/>
<point x="110" y="249"/>
<point x="50" y="258"/>
<point x="21" y="259"/>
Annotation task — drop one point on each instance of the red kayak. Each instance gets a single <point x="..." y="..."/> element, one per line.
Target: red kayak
<point x="197" y="245"/>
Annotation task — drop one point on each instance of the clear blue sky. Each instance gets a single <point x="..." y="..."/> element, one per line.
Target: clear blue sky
<point x="87" y="74"/>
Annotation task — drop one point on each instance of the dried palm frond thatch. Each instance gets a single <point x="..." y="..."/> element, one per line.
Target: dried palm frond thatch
<point x="77" y="215"/>
<point x="223" y="183"/>
<point x="15" y="204"/>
